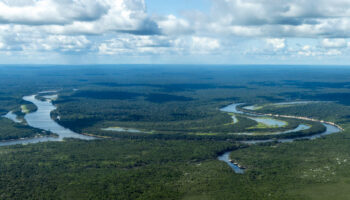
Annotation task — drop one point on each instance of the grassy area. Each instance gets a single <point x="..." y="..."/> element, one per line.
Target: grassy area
<point x="264" y="126"/>
<point x="24" y="109"/>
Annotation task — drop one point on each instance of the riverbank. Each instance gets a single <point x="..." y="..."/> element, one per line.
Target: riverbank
<point x="41" y="119"/>
<point x="234" y="108"/>
<point x="288" y="117"/>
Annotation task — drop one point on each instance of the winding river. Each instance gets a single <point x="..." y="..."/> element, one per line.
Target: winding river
<point x="41" y="119"/>
<point x="330" y="129"/>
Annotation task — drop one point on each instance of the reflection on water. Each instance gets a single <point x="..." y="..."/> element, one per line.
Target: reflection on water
<point x="258" y="118"/>
<point x="269" y="121"/>
<point x="12" y="116"/>
<point x="301" y="127"/>
<point x="226" y="158"/>
<point x="232" y="108"/>
<point x="330" y="129"/>
<point x="41" y="119"/>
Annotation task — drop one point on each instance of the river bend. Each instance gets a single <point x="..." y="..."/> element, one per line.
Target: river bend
<point x="41" y="119"/>
<point x="330" y="129"/>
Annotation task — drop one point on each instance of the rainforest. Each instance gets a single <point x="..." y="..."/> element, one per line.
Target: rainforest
<point x="174" y="132"/>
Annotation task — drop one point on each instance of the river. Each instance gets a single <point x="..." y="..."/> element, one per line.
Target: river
<point x="41" y="119"/>
<point x="330" y="129"/>
<point x="12" y="116"/>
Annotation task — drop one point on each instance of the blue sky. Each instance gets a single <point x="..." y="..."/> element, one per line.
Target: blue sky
<point x="174" y="32"/>
<point x="176" y="6"/>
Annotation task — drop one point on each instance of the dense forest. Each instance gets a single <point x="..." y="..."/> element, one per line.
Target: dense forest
<point x="182" y="131"/>
<point x="106" y="169"/>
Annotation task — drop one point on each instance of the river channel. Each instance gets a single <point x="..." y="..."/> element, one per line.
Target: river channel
<point x="330" y="129"/>
<point x="41" y="119"/>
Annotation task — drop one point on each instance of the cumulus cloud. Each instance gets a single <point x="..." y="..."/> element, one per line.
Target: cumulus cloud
<point x="172" y="25"/>
<point x="276" y="43"/>
<point x="285" y="18"/>
<point x="333" y="52"/>
<point x="133" y="45"/>
<point x="204" y="44"/>
<point x="43" y="12"/>
<point x="80" y="16"/>
<point x="313" y="51"/>
<point x="28" y="40"/>
<point x="157" y="45"/>
<point x="334" y="43"/>
<point x="64" y="43"/>
<point x="283" y="12"/>
<point x="123" y="27"/>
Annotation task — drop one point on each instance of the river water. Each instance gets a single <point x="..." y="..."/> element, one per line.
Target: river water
<point x="330" y="129"/>
<point x="12" y="116"/>
<point x="41" y="119"/>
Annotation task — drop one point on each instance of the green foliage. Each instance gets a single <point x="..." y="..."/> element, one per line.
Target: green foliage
<point x="103" y="169"/>
<point x="10" y="130"/>
<point x="175" y="103"/>
<point x="303" y="168"/>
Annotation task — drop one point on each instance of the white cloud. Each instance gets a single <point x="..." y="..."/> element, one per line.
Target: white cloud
<point x="123" y="27"/>
<point x="133" y="45"/>
<point x="334" y="43"/>
<point x="205" y="44"/>
<point x="195" y="45"/>
<point x="64" y="43"/>
<point x="172" y="25"/>
<point x="42" y="12"/>
<point x="308" y="50"/>
<point x="284" y="12"/>
<point x="28" y="39"/>
<point x="285" y="18"/>
<point x="80" y="16"/>
<point x="276" y="43"/>
<point x="251" y="18"/>
<point x="333" y="52"/>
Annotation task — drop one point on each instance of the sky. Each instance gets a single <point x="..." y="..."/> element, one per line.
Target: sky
<point x="175" y="32"/>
